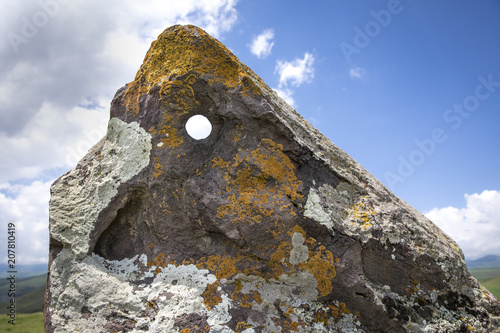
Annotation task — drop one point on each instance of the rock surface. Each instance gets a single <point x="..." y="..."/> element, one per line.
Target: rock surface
<point x="264" y="226"/>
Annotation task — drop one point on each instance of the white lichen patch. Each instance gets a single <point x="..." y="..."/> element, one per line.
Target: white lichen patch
<point x="341" y="208"/>
<point x="109" y="288"/>
<point x="219" y="314"/>
<point x="349" y="323"/>
<point x="125" y="269"/>
<point x="81" y="194"/>
<point x="314" y="210"/>
<point x="299" y="252"/>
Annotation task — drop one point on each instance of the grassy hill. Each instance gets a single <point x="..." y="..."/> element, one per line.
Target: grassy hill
<point x="487" y="271"/>
<point x="29" y="294"/>
<point x="489" y="278"/>
<point x="493" y="286"/>
<point x="23" y="286"/>
<point x="25" y="323"/>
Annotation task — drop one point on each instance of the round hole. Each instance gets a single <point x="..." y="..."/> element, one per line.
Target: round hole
<point x="198" y="127"/>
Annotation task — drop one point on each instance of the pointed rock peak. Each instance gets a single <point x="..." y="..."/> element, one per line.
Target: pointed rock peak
<point x="259" y="224"/>
<point x="189" y="52"/>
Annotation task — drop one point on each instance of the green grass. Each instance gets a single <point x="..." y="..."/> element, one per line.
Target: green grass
<point x="493" y="286"/>
<point x="25" y="323"/>
<point x="485" y="273"/>
<point x="489" y="278"/>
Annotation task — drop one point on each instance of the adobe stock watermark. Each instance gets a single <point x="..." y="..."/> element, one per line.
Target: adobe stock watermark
<point x="363" y="37"/>
<point x="454" y="117"/>
<point x="31" y="25"/>
<point x="75" y="152"/>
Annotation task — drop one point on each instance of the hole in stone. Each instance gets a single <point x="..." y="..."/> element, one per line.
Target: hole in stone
<point x="198" y="127"/>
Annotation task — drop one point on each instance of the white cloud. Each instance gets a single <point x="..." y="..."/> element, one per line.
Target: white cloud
<point x="27" y="206"/>
<point x="61" y="65"/>
<point x="52" y="138"/>
<point x="286" y="95"/>
<point x="262" y="44"/>
<point x="57" y="79"/>
<point x="296" y="71"/>
<point x="475" y="227"/>
<point x="357" y="72"/>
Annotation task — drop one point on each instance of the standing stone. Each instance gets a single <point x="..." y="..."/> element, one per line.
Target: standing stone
<point x="264" y="226"/>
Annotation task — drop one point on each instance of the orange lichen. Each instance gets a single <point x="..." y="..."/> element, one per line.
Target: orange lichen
<point x="255" y="178"/>
<point x="241" y="326"/>
<point x="324" y="315"/>
<point x="158" y="168"/>
<point x="320" y="265"/>
<point x="287" y="325"/>
<point x="189" y="50"/>
<point x="236" y="133"/>
<point x="211" y="295"/>
<point x="320" y="262"/>
<point x="222" y="266"/>
<point x="245" y="300"/>
<point x="179" y="97"/>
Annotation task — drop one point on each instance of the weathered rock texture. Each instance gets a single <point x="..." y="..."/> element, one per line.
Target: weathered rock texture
<point x="264" y="226"/>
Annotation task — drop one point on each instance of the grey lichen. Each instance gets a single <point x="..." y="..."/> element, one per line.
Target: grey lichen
<point x="81" y="194"/>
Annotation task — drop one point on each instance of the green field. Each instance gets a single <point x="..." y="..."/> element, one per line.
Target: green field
<point x="29" y="295"/>
<point x="493" y="286"/>
<point x="25" y="323"/>
<point x="23" y="286"/>
<point x="489" y="278"/>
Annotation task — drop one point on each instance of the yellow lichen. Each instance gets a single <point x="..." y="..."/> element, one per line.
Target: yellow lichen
<point x="189" y="50"/>
<point x="222" y="266"/>
<point x="158" y="168"/>
<point x="236" y="133"/>
<point x="320" y="265"/>
<point x="268" y="176"/>
<point x="362" y="214"/>
<point x="211" y="295"/>
<point x="287" y="325"/>
<point x="242" y="326"/>
<point x="246" y="300"/>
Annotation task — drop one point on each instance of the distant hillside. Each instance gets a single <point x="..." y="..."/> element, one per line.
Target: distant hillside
<point x="490" y="261"/>
<point x="29" y="294"/>
<point x="29" y="303"/>
<point x="487" y="271"/>
<point x="24" y="271"/>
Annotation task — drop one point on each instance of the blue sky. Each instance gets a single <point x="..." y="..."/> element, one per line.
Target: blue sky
<point x="410" y="89"/>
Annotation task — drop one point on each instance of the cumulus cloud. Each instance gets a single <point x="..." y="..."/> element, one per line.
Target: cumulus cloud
<point x="59" y="55"/>
<point x="262" y="44"/>
<point x="295" y="72"/>
<point x="62" y="62"/>
<point x="27" y="206"/>
<point x="475" y="227"/>
<point x="357" y="72"/>
<point x="52" y="138"/>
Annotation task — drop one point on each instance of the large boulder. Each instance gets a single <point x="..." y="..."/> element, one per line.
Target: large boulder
<point x="263" y="226"/>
